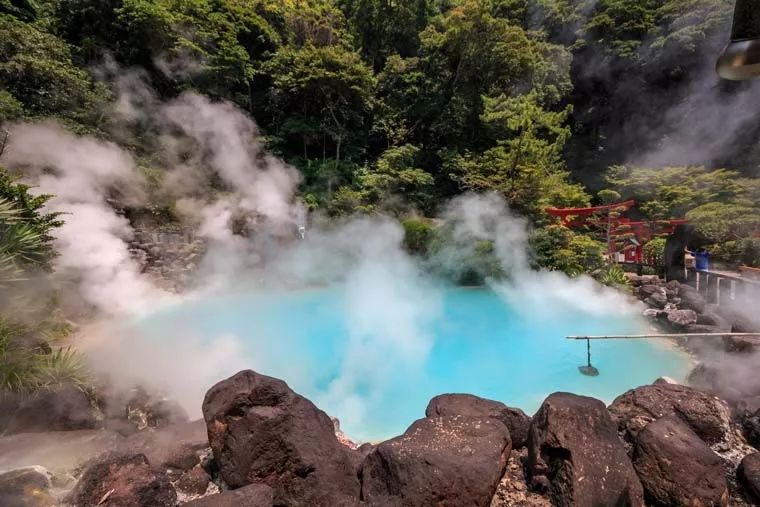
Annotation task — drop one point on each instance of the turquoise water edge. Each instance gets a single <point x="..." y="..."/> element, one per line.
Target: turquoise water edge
<point x="377" y="384"/>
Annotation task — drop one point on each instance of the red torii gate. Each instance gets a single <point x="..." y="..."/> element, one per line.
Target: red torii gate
<point x="643" y="231"/>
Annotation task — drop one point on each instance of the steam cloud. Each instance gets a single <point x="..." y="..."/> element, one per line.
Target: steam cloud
<point x="200" y="141"/>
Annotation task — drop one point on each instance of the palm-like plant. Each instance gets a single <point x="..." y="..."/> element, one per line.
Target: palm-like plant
<point x="25" y="244"/>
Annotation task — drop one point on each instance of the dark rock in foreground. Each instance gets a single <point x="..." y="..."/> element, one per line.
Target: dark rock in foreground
<point x="122" y="480"/>
<point x="194" y="482"/>
<point x="748" y="474"/>
<point x="254" y="495"/>
<point x="261" y="431"/>
<point x="513" y="489"/>
<point x="516" y="421"/>
<point x="574" y="451"/>
<point x="705" y="414"/>
<point x="449" y="460"/>
<point x="677" y="468"/>
<point x="26" y="487"/>
<point x="63" y="408"/>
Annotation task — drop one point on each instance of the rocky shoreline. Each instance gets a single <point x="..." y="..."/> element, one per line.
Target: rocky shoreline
<point x="262" y="444"/>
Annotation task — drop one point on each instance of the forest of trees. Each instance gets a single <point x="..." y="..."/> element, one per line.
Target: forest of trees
<point x="394" y="106"/>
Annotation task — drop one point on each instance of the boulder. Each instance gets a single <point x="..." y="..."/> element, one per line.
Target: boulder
<point x="657" y="300"/>
<point x="122" y="480"/>
<point x="645" y="291"/>
<point x="574" y="451"/>
<point x="450" y="460"/>
<point x="708" y="318"/>
<point x="751" y="427"/>
<point x="253" y="495"/>
<point x="516" y="421"/>
<point x="748" y="474"/>
<point x="677" y="468"/>
<point x="741" y="344"/>
<point x="691" y="299"/>
<point x="679" y="319"/>
<point x="639" y="280"/>
<point x="26" y="487"/>
<point x="262" y="431"/>
<point x="706" y="415"/>
<point x="194" y="482"/>
<point x="55" y="409"/>
<point x="176" y="446"/>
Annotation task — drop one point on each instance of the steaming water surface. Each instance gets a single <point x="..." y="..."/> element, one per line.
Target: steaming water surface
<point x="377" y="385"/>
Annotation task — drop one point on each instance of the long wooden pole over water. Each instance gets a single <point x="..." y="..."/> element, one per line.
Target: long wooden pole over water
<point x="658" y="335"/>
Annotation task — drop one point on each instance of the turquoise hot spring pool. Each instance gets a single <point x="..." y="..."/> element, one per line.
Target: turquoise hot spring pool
<point x="375" y="368"/>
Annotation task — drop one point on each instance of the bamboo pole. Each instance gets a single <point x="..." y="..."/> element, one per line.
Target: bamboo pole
<point x="658" y="335"/>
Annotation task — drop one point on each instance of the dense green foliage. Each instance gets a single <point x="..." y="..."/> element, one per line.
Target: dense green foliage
<point x="394" y="107"/>
<point x="25" y="250"/>
<point x="723" y="205"/>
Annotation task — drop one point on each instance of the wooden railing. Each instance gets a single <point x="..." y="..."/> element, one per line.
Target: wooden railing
<point x="720" y="287"/>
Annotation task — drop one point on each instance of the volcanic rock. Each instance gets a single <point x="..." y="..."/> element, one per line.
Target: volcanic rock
<point x="122" y="480"/>
<point x="646" y="291"/>
<point x="261" y="431"/>
<point x="679" y="319"/>
<point x="748" y="474"/>
<point x="705" y="414"/>
<point x="575" y="452"/>
<point x="194" y="482"/>
<point x="55" y="409"/>
<point x="254" y="495"/>
<point x="708" y="318"/>
<point x="26" y="487"/>
<point x="450" y="460"/>
<point x="516" y="421"/>
<point x="741" y="344"/>
<point x="676" y="467"/>
<point x="513" y="488"/>
<point x="657" y="300"/>
<point x="691" y="299"/>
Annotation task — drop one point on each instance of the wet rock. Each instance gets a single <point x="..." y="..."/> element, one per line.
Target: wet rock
<point x="575" y="452"/>
<point x="751" y="427"/>
<point x="449" y="460"/>
<point x="254" y="495"/>
<point x="26" y="487"/>
<point x="679" y="319"/>
<point x="176" y="446"/>
<point x="677" y="468"/>
<point x="639" y="280"/>
<point x="741" y="344"/>
<point x="748" y="474"/>
<point x="705" y="414"/>
<point x="122" y="480"/>
<point x="194" y="482"/>
<point x="708" y="318"/>
<point x="657" y="300"/>
<point x="262" y="431"/>
<point x="691" y="299"/>
<point x="516" y="421"/>
<point x="145" y="411"/>
<point x="57" y="409"/>
<point x="513" y="488"/>
<point x="646" y="291"/>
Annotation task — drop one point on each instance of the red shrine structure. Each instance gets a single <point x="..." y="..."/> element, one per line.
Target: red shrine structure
<point x="637" y="233"/>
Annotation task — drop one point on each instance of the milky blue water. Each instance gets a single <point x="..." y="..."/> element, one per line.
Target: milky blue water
<point x="377" y="385"/>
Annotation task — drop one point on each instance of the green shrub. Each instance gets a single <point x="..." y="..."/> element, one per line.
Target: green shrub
<point x="418" y="235"/>
<point x="654" y="252"/>
<point x="557" y="248"/>
<point x="613" y="275"/>
<point x="745" y="251"/>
